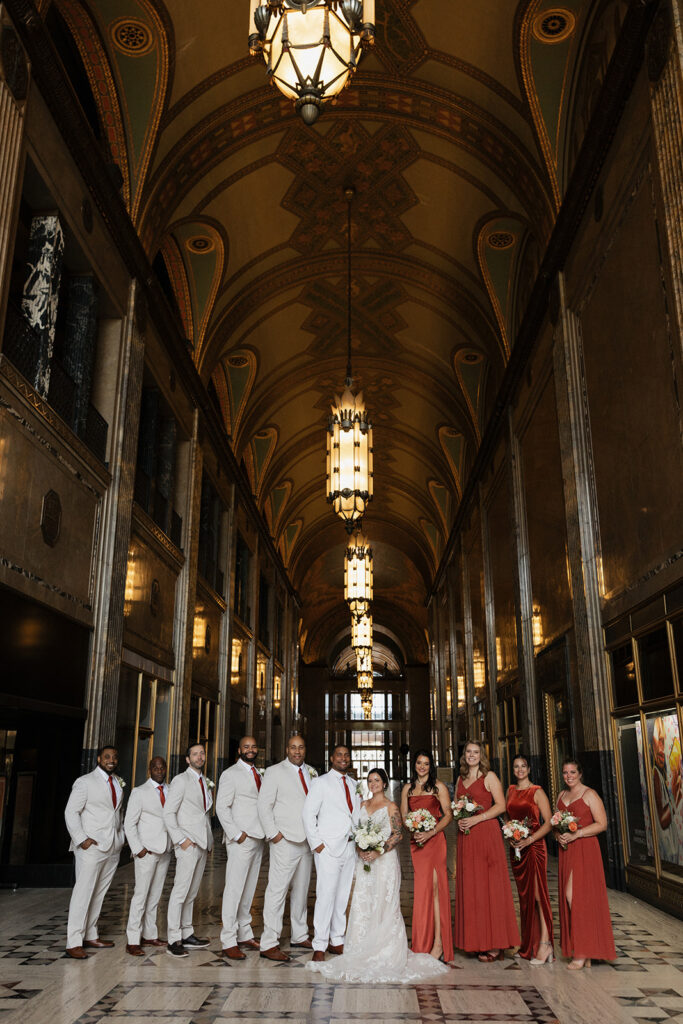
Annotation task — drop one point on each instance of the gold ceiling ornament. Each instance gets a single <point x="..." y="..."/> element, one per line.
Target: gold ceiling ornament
<point x="358" y="576"/>
<point x="349" y="434"/>
<point x="366" y="704"/>
<point x="364" y="680"/>
<point x="361" y="632"/>
<point x="364" y="662"/>
<point x="311" y="47"/>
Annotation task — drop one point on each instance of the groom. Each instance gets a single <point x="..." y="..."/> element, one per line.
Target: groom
<point x="330" y="811"/>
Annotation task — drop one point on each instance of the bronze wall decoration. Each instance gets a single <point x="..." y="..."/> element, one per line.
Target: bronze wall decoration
<point x="51" y="518"/>
<point x="13" y="63"/>
<point x="155" y="597"/>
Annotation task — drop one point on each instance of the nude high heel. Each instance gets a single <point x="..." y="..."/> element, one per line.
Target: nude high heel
<point x="547" y="959"/>
<point x="578" y="965"/>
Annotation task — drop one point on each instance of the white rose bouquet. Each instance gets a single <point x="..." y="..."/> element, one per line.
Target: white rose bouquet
<point x="465" y="808"/>
<point x="420" y="821"/>
<point x="369" y="837"/>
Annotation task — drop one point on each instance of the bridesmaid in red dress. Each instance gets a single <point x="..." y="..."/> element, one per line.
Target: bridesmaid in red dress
<point x="585" y="925"/>
<point x="525" y="800"/>
<point x="485" y="920"/>
<point x="431" y="929"/>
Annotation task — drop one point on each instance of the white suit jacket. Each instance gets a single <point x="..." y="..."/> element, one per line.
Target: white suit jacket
<point x="144" y="821"/>
<point x="327" y="818"/>
<point x="281" y="801"/>
<point x="90" y="814"/>
<point x="237" y="803"/>
<point x="184" y="814"/>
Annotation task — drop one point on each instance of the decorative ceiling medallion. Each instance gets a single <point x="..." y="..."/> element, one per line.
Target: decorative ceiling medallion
<point x="554" y="26"/>
<point x="131" y="36"/>
<point x="471" y="357"/>
<point x="501" y="239"/>
<point x="237" y="361"/>
<point x="200" y="244"/>
<point x="51" y="518"/>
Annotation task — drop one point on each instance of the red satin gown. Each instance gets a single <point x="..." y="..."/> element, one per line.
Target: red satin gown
<point x="586" y="929"/>
<point x="530" y="872"/>
<point x="484" y="912"/>
<point x="427" y="860"/>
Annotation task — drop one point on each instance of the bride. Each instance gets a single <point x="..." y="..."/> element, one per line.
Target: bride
<point x="376" y="945"/>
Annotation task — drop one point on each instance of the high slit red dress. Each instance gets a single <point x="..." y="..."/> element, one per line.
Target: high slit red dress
<point x="427" y="860"/>
<point x="484" y="911"/>
<point x="530" y="872"/>
<point x="586" y="929"/>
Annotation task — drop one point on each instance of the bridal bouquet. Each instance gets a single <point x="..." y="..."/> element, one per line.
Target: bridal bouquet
<point x="369" y="837"/>
<point x="420" y="821"/>
<point x="563" y="821"/>
<point x="465" y="808"/>
<point x="516" y="830"/>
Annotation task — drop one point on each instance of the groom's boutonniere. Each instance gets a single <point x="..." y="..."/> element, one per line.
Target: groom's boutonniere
<point x="209" y="783"/>
<point x="120" y="781"/>
<point x="359" y="789"/>
<point x="313" y="773"/>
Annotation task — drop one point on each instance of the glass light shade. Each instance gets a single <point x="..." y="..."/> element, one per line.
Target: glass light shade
<point x="349" y="458"/>
<point x="311" y="47"/>
<point x="358" y="576"/>
<point x="364" y="661"/>
<point x="364" y="680"/>
<point x="366" y="703"/>
<point x="361" y="632"/>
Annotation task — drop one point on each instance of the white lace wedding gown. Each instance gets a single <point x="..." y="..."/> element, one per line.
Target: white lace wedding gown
<point x="376" y="944"/>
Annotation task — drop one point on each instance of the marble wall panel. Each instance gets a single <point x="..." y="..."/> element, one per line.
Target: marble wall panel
<point x="40" y="482"/>
<point x="150" y="597"/>
<point x="634" y="407"/>
<point x="501" y="558"/>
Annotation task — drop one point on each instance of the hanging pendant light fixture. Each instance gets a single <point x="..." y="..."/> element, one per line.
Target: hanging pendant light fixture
<point x="311" y="47"/>
<point x="361" y="632"/>
<point x="349" y="434"/>
<point x="358" y="576"/>
<point x="364" y="681"/>
<point x="366" y="702"/>
<point x="364" y="661"/>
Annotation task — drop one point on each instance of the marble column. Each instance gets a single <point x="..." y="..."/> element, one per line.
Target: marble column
<point x="41" y="291"/>
<point x="583" y="548"/>
<point x="112" y="554"/>
<point x="490" y="630"/>
<point x="665" y="72"/>
<point x="226" y="633"/>
<point x="13" y="91"/>
<point x="80" y="341"/>
<point x="149" y="427"/>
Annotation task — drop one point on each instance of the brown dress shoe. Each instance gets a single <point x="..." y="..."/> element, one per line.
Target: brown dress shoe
<point x="97" y="944"/>
<point x="76" y="953"/>
<point x="249" y="944"/>
<point x="337" y="950"/>
<point x="275" y="954"/>
<point x="306" y="944"/>
<point x="234" y="953"/>
<point x="135" y="950"/>
<point x="153" y="942"/>
<point x="318" y="956"/>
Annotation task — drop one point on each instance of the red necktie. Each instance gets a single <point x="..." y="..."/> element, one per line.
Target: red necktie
<point x="113" y="791"/>
<point x="201" y="783"/>
<point x="257" y="777"/>
<point x="348" y="795"/>
<point x="161" y="795"/>
<point x="303" y="781"/>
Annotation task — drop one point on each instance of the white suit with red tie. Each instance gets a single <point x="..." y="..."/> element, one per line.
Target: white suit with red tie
<point x="237" y="810"/>
<point x="93" y="811"/>
<point x="187" y="815"/>
<point x="330" y="812"/>
<point x="145" y="830"/>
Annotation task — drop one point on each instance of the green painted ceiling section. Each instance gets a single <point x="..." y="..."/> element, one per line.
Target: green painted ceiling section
<point x="238" y="380"/>
<point x="471" y="375"/>
<point x="201" y="270"/>
<point x="277" y="498"/>
<point x="549" y="66"/>
<point x="455" y="446"/>
<point x="441" y="497"/>
<point x="262" y="447"/>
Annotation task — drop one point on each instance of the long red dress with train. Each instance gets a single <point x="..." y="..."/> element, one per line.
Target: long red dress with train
<point x="530" y="872"/>
<point x="427" y="860"/>
<point x="484" y="912"/>
<point x="586" y="929"/>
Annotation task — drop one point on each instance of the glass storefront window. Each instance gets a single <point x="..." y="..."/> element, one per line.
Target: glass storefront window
<point x="624" y="676"/>
<point x="656" y="675"/>
<point x="634" y="788"/>
<point x="143" y="723"/>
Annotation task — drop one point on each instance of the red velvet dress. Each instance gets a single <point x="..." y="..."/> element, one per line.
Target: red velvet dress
<point x="586" y="929"/>
<point x="484" y="912"/>
<point x="427" y="860"/>
<point x="530" y="872"/>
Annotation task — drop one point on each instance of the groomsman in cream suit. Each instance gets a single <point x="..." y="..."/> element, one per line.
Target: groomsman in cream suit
<point x="93" y="818"/>
<point x="330" y="812"/>
<point x="187" y="816"/>
<point x="237" y="810"/>
<point x="280" y="808"/>
<point x="150" y="845"/>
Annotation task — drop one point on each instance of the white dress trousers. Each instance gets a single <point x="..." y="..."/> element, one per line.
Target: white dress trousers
<point x="95" y="870"/>
<point x="241" y="876"/>
<point x="334" y="878"/>
<point x="290" y="865"/>
<point x="150" y="875"/>
<point x="189" y="868"/>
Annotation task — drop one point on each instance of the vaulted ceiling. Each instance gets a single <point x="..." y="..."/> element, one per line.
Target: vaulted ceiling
<point x="458" y="132"/>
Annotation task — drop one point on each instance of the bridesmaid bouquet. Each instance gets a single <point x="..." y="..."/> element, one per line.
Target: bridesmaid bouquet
<point x="420" y="821"/>
<point x="563" y="821"/>
<point x="516" y="830"/>
<point x="369" y="837"/>
<point x="465" y="808"/>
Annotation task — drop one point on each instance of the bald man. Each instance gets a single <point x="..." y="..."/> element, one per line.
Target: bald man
<point x="150" y="846"/>
<point x="280" y="807"/>
<point x="237" y="809"/>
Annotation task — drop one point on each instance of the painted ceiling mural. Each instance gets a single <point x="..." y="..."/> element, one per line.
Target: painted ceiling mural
<point x="458" y="134"/>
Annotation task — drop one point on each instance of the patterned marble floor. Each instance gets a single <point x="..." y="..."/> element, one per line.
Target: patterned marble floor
<point x="39" y="985"/>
